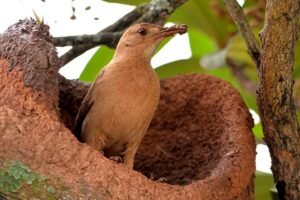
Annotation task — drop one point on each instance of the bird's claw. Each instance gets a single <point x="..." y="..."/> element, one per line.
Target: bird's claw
<point x="162" y="179"/>
<point x="117" y="159"/>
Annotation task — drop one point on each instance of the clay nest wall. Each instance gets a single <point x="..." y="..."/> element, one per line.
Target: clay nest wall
<point x="199" y="144"/>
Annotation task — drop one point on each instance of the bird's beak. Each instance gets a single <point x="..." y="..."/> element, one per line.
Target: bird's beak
<point x="173" y="30"/>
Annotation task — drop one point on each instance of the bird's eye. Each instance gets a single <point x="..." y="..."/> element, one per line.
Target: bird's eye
<point x="142" y="31"/>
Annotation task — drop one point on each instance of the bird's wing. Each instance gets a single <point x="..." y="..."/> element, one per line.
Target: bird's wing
<point x="85" y="107"/>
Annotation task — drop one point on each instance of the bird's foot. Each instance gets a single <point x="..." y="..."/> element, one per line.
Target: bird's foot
<point x="117" y="159"/>
<point x="161" y="179"/>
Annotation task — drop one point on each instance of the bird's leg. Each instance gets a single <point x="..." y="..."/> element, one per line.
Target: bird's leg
<point x="129" y="155"/>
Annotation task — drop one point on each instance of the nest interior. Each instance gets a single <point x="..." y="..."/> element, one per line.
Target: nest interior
<point x="189" y="134"/>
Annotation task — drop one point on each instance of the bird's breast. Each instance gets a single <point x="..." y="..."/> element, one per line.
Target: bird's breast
<point x="138" y="95"/>
<point x="129" y="102"/>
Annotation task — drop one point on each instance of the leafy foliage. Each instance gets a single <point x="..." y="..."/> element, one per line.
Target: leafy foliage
<point x="16" y="175"/>
<point x="17" y="179"/>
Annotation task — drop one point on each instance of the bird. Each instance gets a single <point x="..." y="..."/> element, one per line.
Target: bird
<point x="120" y="104"/>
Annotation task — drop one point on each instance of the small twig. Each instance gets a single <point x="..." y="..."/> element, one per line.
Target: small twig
<point x="241" y="22"/>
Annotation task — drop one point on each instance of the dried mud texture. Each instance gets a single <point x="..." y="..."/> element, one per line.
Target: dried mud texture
<point x="34" y="52"/>
<point x="200" y="139"/>
<point x="192" y="129"/>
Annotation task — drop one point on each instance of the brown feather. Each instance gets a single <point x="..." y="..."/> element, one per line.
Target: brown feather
<point x="85" y="107"/>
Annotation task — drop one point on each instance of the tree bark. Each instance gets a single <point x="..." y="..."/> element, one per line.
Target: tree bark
<point x="274" y="96"/>
<point x="200" y="139"/>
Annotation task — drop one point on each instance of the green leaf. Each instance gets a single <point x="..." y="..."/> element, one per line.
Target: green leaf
<point x="30" y="177"/>
<point x="258" y="131"/>
<point x="199" y="14"/>
<point x="20" y="173"/>
<point x="263" y="184"/>
<point x="9" y="184"/>
<point x="200" y="43"/>
<point x="101" y="58"/>
<point x="18" y="170"/>
<point x="237" y="51"/>
<point x="178" y="67"/>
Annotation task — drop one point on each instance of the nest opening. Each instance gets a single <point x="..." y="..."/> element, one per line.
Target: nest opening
<point x="186" y="138"/>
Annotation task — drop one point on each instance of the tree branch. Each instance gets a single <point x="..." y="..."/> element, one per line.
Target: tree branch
<point x="241" y="22"/>
<point x="154" y="12"/>
<point x="108" y="38"/>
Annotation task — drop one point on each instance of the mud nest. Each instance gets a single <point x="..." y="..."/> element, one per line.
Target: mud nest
<point x="189" y="134"/>
<point x="200" y="137"/>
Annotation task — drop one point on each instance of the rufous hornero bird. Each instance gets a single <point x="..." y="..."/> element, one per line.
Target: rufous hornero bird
<point x="118" y="107"/>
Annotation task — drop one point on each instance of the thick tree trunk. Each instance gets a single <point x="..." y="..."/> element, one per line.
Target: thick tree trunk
<point x="274" y="95"/>
<point x="275" y="98"/>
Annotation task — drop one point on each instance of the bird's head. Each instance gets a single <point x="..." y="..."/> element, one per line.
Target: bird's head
<point x="144" y="38"/>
